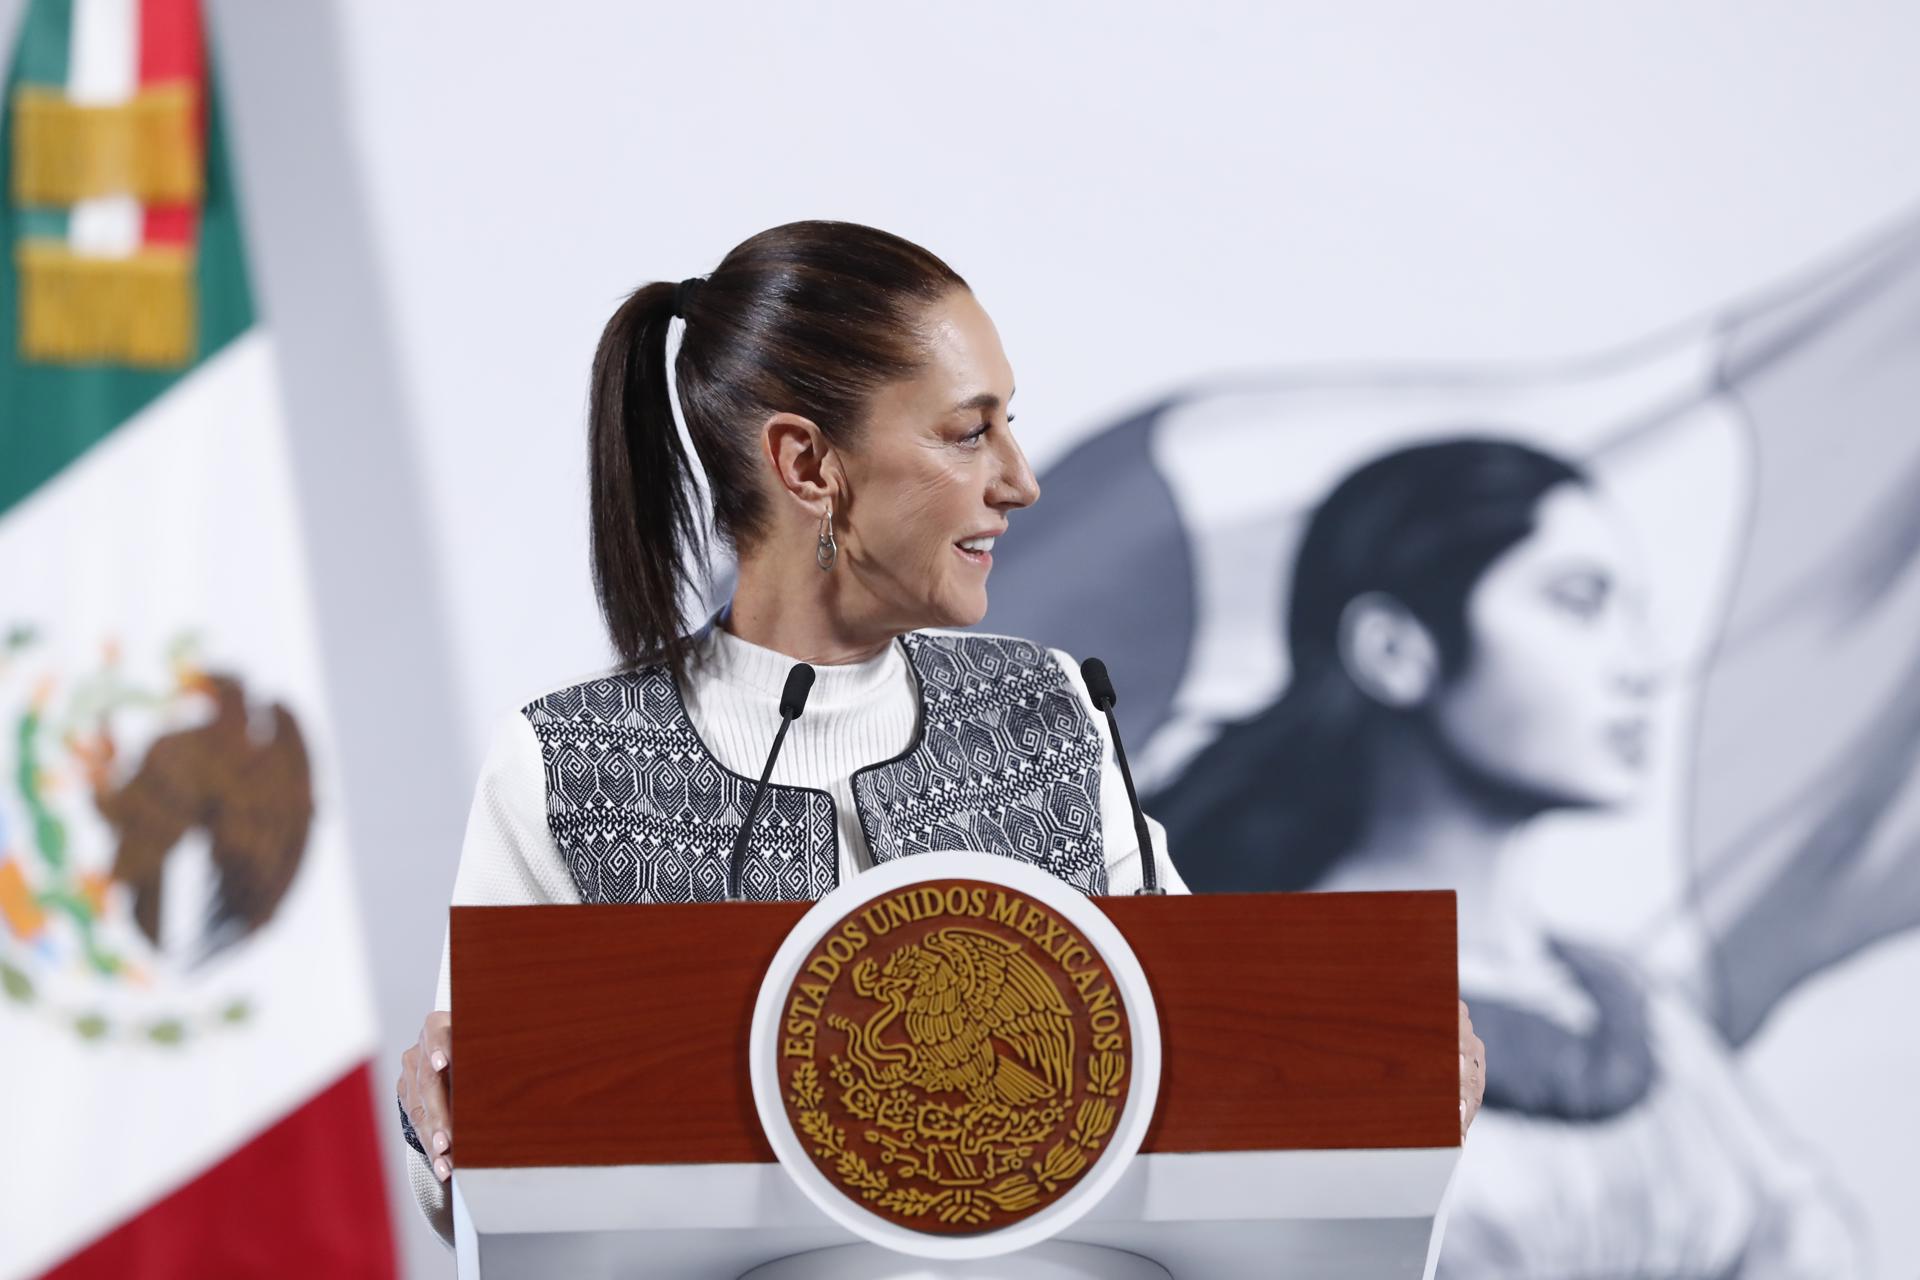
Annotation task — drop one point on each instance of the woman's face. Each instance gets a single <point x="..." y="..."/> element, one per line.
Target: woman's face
<point x="1553" y="701"/>
<point x="934" y="475"/>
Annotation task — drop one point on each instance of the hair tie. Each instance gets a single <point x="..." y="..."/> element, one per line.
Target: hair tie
<point x="683" y="295"/>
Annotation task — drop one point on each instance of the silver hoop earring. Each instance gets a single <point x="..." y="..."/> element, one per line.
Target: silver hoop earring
<point x="826" y="550"/>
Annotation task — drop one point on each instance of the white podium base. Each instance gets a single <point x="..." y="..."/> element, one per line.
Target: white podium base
<point x="1050" y="1261"/>
<point x="1331" y="1215"/>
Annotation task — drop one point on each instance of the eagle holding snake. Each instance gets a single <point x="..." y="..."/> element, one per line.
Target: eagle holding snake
<point x="961" y="995"/>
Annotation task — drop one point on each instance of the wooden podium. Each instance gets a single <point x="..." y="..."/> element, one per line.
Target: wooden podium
<point x="1307" y="1122"/>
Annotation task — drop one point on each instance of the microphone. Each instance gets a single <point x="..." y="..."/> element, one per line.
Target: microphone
<point x="1094" y="672"/>
<point x="793" y="700"/>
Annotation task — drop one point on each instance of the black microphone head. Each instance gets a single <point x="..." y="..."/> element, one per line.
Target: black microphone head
<point x="793" y="699"/>
<point x="1094" y="672"/>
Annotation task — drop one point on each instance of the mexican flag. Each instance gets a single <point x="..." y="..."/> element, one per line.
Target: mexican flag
<point x="185" y="1018"/>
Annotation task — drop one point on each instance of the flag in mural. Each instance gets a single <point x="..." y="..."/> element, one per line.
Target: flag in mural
<point x="185" y="1020"/>
<point x="1622" y="651"/>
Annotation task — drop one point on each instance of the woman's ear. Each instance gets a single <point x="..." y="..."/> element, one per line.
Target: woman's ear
<point x="1387" y="651"/>
<point x="801" y="458"/>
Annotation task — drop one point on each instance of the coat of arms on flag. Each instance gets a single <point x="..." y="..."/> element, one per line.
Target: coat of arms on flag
<point x="119" y="782"/>
<point x="183" y="997"/>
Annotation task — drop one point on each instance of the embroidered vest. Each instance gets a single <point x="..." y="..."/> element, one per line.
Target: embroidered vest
<point x="1005" y="758"/>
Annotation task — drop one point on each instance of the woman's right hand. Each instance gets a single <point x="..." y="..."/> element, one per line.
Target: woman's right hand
<point x="426" y="1090"/>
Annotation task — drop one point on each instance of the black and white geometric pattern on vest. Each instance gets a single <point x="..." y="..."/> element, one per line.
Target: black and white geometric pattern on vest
<point x="1007" y="760"/>
<point x="642" y="812"/>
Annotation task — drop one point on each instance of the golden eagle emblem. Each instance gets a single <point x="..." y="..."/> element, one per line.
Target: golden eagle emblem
<point x="955" y="1056"/>
<point x="960" y="995"/>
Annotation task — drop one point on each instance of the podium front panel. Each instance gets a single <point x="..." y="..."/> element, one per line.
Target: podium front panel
<point x="617" y="1035"/>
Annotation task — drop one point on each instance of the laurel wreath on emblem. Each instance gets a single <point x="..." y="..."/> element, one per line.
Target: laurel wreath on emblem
<point x="992" y="1143"/>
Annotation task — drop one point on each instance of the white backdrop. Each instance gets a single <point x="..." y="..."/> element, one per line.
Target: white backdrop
<point x="1139" y="194"/>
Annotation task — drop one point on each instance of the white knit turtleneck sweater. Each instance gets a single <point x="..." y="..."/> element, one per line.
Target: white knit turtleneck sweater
<point x="858" y="714"/>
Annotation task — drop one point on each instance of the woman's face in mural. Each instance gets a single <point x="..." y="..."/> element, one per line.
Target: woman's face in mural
<point x="1553" y="702"/>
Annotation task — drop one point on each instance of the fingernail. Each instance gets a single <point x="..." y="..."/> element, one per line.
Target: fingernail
<point x="440" y="1142"/>
<point x="1463" y="1062"/>
<point x="439" y="1060"/>
<point x="441" y="1169"/>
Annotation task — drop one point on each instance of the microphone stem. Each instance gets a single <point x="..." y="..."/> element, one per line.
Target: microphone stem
<point x="1149" y="872"/>
<point x="753" y="808"/>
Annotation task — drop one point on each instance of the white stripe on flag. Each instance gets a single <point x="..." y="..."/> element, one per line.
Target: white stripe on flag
<point x="103" y="69"/>
<point x="138" y="543"/>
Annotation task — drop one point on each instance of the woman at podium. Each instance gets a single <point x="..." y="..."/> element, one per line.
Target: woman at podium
<point x="848" y="406"/>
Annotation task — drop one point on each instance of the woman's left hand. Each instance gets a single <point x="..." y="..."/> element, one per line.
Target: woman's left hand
<point x="1473" y="1071"/>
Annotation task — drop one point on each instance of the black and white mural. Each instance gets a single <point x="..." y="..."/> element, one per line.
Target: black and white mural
<point x="1626" y="652"/>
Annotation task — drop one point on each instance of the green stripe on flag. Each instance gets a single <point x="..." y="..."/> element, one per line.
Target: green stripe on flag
<point x="46" y="38"/>
<point x="50" y="414"/>
<point x="40" y="224"/>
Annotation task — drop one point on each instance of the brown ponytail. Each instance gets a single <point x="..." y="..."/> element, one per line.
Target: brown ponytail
<point x="809" y="318"/>
<point x="640" y="484"/>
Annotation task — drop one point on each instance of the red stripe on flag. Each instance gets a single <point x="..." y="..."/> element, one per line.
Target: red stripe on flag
<point x="303" y="1199"/>
<point x="171" y="49"/>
